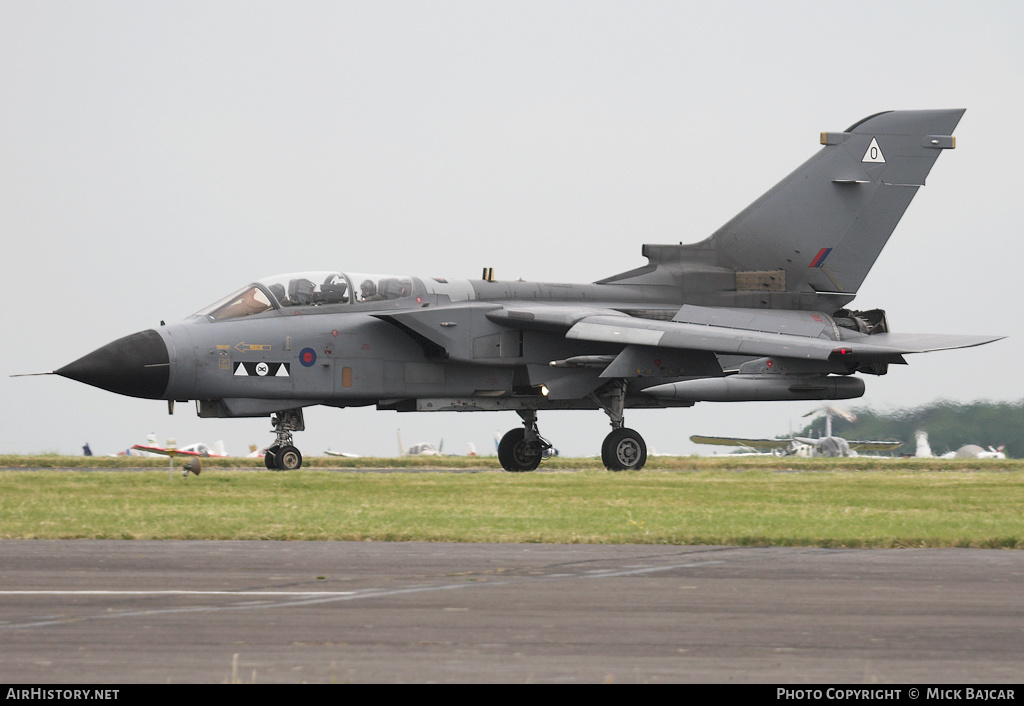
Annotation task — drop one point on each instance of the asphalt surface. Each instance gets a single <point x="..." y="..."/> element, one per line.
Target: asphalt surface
<point x="97" y="611"/>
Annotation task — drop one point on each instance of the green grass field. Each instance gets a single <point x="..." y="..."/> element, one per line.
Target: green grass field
<point x="656" y="463"/>
<point x="746" y="501"/>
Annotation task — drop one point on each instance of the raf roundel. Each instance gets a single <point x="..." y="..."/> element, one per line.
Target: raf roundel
<point x="307" y="356"/>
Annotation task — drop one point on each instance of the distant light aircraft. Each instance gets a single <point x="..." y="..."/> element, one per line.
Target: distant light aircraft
<point x="924" y="450"/>
<point x="197" y="449"/>
<point x="830" y="445"/>
<point x="975" y="451"/>
<point x="425" y="448"/>
<point x="757" y="311"/>
<point x="342" y="454"/>
<point x="194" y="452"/>
<point x="422" y="448"/>
<point x="827" y="445"/>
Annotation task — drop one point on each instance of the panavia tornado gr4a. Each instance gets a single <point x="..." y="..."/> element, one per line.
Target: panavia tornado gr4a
<point x="757" y="311"/>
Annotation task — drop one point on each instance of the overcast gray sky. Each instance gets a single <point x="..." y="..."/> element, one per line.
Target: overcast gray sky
<point x="158" y="155"/>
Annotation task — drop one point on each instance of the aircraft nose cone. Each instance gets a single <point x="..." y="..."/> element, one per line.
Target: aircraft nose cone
<point x="136" y="365"/>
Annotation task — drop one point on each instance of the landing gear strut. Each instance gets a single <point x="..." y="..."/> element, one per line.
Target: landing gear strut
<point x="623" y="449"/>
<point x="282" y="454"/>
<point x="522" y="449"/>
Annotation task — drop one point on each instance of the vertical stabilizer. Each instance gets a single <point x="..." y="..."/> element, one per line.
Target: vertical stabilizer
<point x="826" y="223"/>
<point x="819" y="230"/>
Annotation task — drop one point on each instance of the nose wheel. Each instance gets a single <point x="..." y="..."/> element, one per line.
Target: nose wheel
<point x="516" y="454"/>
<point x="521" y="450"/>
<point x="282" y="458"/>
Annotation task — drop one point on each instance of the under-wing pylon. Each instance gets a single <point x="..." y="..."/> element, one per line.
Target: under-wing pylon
<point x="760" y="310"/>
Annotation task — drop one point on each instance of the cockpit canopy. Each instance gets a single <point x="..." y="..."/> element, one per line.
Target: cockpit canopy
<point x="308" y="289"/>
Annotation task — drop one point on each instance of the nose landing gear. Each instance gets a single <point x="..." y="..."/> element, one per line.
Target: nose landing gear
<point x="521" y="450"/>
<point x="282" y="454"/>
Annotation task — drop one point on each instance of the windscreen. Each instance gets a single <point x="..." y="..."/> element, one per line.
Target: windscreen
<point x="249" y="301"/>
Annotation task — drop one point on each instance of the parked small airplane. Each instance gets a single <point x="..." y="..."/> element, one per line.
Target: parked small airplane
<point x="757" y="311"/>
<point x="975" y="451"/>
<point x="342" y="454"/>
<point x="924" y="450"/>
<point x="827" y="445"/>
<point x="423" y="448"/>
<point x="194" y="452"/>
<point x="197" y="449"/>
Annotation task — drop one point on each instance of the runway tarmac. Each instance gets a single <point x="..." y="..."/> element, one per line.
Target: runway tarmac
<point x="98" y="611"/>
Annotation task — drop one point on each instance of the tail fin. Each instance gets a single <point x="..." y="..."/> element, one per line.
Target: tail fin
<point x="822" y="227"/>
<point x="826" y="223"/>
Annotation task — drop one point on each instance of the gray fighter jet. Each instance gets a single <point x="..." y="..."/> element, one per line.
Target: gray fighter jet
<point x="757" y="311"/>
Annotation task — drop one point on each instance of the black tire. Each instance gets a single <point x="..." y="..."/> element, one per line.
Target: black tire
<point x="288" y="459"/>
<point x="624" y="450"/>
<point x="515" y="455"/>
<point x="270" y="458"/>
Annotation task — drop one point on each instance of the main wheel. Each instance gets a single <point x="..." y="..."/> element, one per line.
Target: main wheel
<point x="288" y="459"/>
<point x="624" y="450"/>
<point x="515" y="455"/>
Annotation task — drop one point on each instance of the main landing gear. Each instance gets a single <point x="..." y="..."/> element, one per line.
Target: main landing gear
<point x="282" y="454"/>
<point x="623" y="449"/>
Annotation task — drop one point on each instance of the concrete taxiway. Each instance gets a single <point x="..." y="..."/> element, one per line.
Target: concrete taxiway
<point x="270" y="612"/>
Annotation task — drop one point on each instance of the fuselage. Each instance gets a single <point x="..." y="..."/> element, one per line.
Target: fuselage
<point x="340" y="339"/>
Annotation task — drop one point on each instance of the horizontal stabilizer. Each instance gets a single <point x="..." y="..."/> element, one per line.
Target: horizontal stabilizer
<point x="924" y="342"/>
